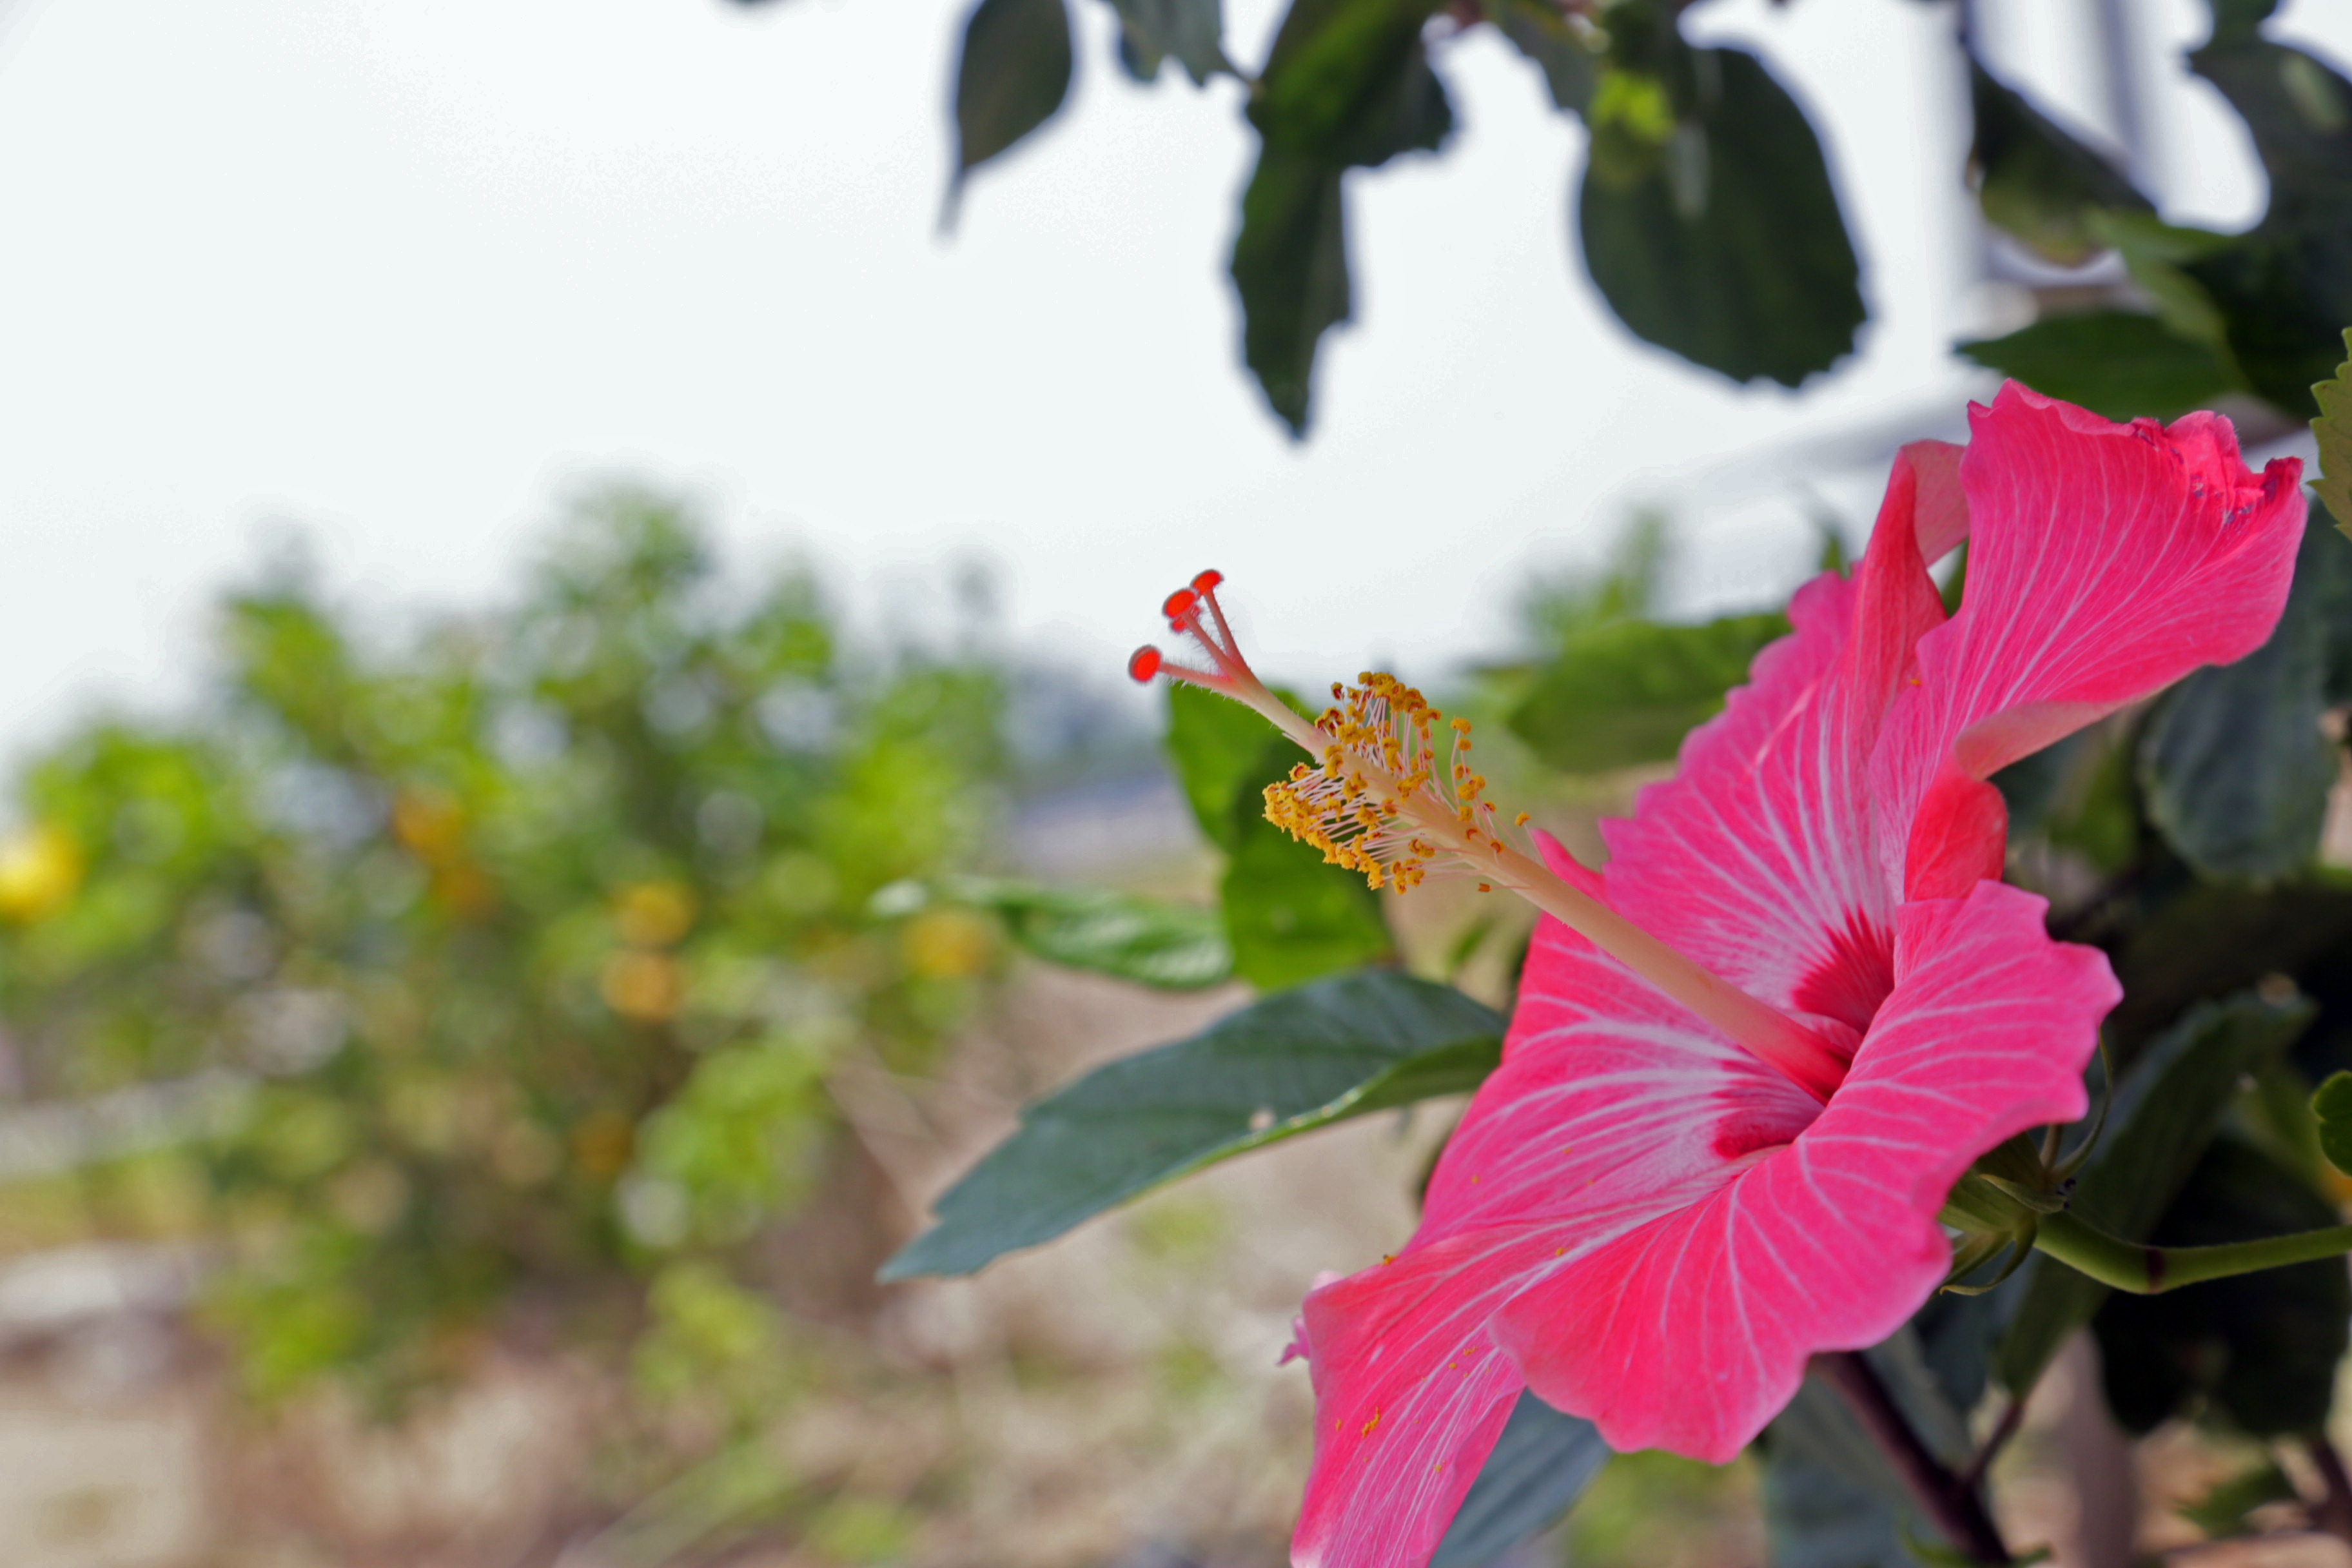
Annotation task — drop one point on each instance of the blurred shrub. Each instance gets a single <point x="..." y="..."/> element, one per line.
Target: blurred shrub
<point x="1611" y="685"/>
<point x="528" y="940"/>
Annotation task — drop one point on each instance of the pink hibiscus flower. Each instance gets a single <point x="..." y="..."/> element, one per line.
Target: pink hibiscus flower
<point x="1748" y="1064"/>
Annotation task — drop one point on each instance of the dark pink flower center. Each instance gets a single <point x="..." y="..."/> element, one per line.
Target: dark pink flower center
<point x="1837" y="999"/>
<point x="1849" y="985"/>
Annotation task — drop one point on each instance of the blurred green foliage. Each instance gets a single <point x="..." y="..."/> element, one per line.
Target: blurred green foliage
<point x="1626" y="692"/>
<point x="2334" y="428"/>
<point x="1652" y="1508"/>
<point x="535" y="935"/>
<point x="1613" y="686"/>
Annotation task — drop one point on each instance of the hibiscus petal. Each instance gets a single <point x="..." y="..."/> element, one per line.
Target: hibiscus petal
<point x="1410" y="1396"/>
<point x="1756" y="858"/>
<point x="1940" y="521"/>
<point x="1612" y="1107"/>
<point x="2106" y="561"/>
<point x="1692" y="1333"/>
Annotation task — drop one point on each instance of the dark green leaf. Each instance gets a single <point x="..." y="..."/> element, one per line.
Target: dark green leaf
<point x="2223" y="1510"/>
<point x="2261" y="1350"/>
<point x="1217" y="748"/>
<point x="2099" y="817"/>
<point x="2165" y="1112"/>
<point x="2333" y="1105"/>
<point x="1348" y="83"/>
<point x="2280" y="297"/>
<point x="1626" y="692"/>
<point x="1013" y="75"/>
<point x="2333" y="429"/>
<point x="1539" y="1467"/>
<point x="2234" y="767"/>
<point x="2324" y="974"/>
<point x="1284" y="1066"/>
<point x="2036" y="787"/>
<point x="1730" y="250"/>
<point x="2034" y="180"/>
<point x="2213" y="940"/>
<point x="1409" y="114"/>
<point x="1291" y="916"/>
<point x="2116" y="363"/>
<point x="1173" y="947"/>
<point x="2157" y="254"/>
<point x="1544" y="35"/>
<point x="2285" y="290"/>
<point x="1957" y="1336"/>
<point x="2299" y="112"/>
<point x="1150" y="31"/>
<point x="2275" y="1113"/>
<point x="1290" y="268"/>
<point x="2237" y="21"/>
<point x="1831" y="1500"/>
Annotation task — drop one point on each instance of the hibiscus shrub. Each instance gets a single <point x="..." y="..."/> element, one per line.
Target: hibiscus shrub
<point x="1975" y="979"/>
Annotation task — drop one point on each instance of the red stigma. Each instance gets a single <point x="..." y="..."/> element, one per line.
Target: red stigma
<point x="1207" y="582"/>
<point x="1180" y="602"/>
<point x="1143" y="663"/>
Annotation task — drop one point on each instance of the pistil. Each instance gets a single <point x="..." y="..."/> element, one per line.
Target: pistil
<point x="1379" y="802"/>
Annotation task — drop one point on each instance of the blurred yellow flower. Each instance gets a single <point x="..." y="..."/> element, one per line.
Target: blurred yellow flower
<point x="40" y="870"/>
<point x="644" y="987"/>
<point x="949" y="944"/>
<point x="652" y="914"/>
<point x="462" y="888"/>
<point x="431" y="824"/>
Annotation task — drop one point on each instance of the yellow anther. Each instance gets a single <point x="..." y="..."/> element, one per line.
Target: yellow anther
<point x="1383" y="801"/>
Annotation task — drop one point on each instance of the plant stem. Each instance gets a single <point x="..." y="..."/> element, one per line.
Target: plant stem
<point x="1952" y="1505"/>
<point x="2334" y="1515"/>
<point x="2003" y="1430"/>
<point x="2144" y="1271"/>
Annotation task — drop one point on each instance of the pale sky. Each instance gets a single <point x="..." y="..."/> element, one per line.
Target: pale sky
<point x="404" y="271"/>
